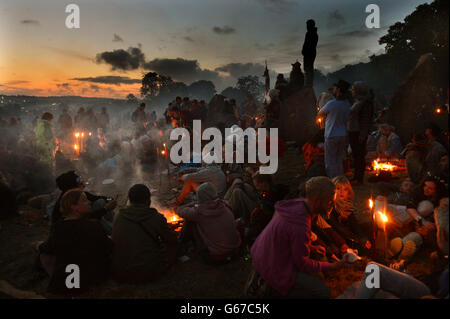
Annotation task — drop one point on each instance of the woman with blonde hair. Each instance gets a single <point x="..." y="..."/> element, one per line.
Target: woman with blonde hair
<point x="79" y="241"/>
<point x="342" y="218"/>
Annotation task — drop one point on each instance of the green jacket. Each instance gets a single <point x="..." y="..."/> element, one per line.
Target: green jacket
<point x="144" y="245"/>
<point x="43" y="133"/>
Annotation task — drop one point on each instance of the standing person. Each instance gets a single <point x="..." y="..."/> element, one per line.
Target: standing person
<point x="44" y="138"/>
<point x="281" y="254"/>
<point x="103" y="119"/>
<point x="139" y="118"/>
<point x="76" y="240"/>
<point x="358" y="126"/>
<point x="80" y="118"/>
<point x="144" y="245"/>
<point x="309" y="51"/>
<point x="65" y="123"/>
<point x="336" y="113"/>
<point x="273" y="110"/>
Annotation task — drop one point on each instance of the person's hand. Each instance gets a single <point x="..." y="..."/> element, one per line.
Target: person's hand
<point x="111" y="205"/>
<point x="398" y="266"/>
<point x="319" y="250"/>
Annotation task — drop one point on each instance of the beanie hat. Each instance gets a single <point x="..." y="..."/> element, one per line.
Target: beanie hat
<point x="68" y="181"/>
<point x="206" y="192"/>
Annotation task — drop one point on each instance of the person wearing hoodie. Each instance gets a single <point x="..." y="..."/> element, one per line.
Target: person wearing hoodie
<point x="282" y="265"/>
<point x="309" y="51"/>
<point x="211" y="225"/>
<point x="144" y="245"/>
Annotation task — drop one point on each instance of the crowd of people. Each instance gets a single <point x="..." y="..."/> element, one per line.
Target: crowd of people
<point x="290" y="235"/>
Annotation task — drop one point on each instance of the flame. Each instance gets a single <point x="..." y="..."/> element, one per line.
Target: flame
<point x="82" y="134"/>
<point x="383" y="217"/>
<point x="77" y="135"/>
<point x="382" y="166"/>
<point x="438" y="110"/>
<point x="90" y="134"/>
<point x="75" y="147"/>
<point x="370" y="203"/>
<point x="163" y="152"/>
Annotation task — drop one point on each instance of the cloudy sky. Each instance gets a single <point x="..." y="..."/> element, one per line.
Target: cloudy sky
<point x="219" y="40"/>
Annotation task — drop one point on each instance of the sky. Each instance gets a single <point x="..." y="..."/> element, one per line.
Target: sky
<point x="219" y="40"/>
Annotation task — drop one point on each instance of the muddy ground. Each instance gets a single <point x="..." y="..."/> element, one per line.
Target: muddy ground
<point x="191" y="279"/>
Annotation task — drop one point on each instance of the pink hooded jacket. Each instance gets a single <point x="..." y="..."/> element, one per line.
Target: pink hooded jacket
<point x="283" y="248"/>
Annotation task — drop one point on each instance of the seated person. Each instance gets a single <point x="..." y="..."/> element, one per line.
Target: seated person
<point x="144" y="245"/>
<point x="210" y="224"/>
<point x="281" y="254"/>
<point x="342" y="218"/>
<point x="209" y="174"/>
<point x="405" y="286"/>
<point x="100" y="207"/>
<point x="389" y="145"/>
<point x="76" y="240"/>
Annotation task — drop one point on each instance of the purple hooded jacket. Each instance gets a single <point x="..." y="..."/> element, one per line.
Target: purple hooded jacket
<point x="283" y="248"/>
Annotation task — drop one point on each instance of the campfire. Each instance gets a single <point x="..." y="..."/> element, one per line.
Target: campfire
<point x="174" y="221"/>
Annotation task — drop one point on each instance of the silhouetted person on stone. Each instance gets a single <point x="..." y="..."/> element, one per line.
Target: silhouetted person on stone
<point x="309" y="51"/>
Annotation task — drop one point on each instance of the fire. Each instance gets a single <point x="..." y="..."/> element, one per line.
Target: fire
<point x="382" y="166"/>
<point x="438" y="110"/>
<point x="77" y="135"/>
<point x="370" y="203"/>
<point x="75" y="147"/>
<point x="383" y="217"/>
<point x="163" y="152"/>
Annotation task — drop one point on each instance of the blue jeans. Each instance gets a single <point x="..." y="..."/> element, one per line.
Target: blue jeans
<point x="398" y="283"/>
<point x="334" y="155"/>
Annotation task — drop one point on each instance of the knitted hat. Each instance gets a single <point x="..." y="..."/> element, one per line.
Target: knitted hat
<point x="206" y="192"/>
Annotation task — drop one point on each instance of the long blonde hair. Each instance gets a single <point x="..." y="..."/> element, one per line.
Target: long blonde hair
<point x="343" y="207"/>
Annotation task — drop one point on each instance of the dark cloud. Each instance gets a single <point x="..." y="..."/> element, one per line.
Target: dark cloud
<point x="224" y="30"/>
<point x="335" y="18"/>
<point x="16" y="82"/>
<point x="108" y="79"/>
<point x="181" y="70"/>
<point x="130" y="59"/>
<point x="237" y="70"/>
<point x="117" y="38"/>
<point x="94" y="87"/>
<point x="189" y="39"/>
<point x="63" y="85"/>
<point x="30" y="22"/>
